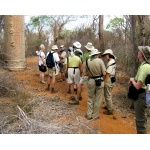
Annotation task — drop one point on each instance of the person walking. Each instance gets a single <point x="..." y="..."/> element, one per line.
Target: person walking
<point x="139" y="83"/>
<point x="95" y="70"/>
<point x="109" y="80"/>
<point x="62" y="56"/>
<point x="73" y="67"/>
<point x="42" y="63"/>
<point x="54" y="70"/>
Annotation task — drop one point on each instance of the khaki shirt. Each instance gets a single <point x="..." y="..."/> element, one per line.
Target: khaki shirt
<point x="64" y="55"/>
<point x="96" y="66"/>
<point x="143" y="71"/>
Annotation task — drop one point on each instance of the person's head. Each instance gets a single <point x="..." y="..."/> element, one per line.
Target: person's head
<point x="76" y="45"/>
<point x="54" y="47"/>
<point x="62" y="47"/>
<point x="89" y="46"/>
<point x="95" y="53"/>
<point x="108" y="54"/>
<point x="144" y="53"/>
<point x="42" y="47"/>
<point x="70" y="51"/>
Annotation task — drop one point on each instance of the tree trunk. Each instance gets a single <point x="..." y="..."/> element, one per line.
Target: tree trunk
<point x="101" y="35"/>
<point x="14" y="57"/>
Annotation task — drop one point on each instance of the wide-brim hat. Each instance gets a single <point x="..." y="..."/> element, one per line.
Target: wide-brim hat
<point x="94" y="52"/>
<point x="77" y="44"/>
<point x="61" y="46"/>
<point x="109" y="51"/>
<point x="146" y="52"/>
<point x="54" y="47"/>
<point x="89" y="46"/>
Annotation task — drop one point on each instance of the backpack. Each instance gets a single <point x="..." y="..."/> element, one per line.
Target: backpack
<point x="50" y="60"/>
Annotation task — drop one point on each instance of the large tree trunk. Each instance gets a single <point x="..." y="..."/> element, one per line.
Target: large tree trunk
<point x="101" y="35"/>
<point x="14" y="43"/>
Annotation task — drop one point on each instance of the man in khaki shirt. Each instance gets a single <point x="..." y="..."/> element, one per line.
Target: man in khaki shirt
<point x="95" y="70"/>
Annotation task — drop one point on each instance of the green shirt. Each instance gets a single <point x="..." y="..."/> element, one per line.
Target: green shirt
<point x="86" y="56"/>
<point x="143" y="71"/>
<point x="74" y="61"/>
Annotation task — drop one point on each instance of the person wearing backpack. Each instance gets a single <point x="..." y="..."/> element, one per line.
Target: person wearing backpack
<point x="139" y="83"/>
<point x="52" y="62"/>
<point x="42" y="63"/>
<point x="109" y="80"/>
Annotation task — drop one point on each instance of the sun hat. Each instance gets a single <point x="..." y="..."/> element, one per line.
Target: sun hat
<point x="94" y="52"/>
<point x="146" y="52"/>
<point x="61" y="46"/>
<point x="109" y="51"/>
<point x="89" y="46"/>
<point x="77" y="44"/>
<point x="54" y="47"/>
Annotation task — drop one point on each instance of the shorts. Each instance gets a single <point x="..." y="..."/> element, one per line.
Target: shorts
<point x="42" y="68"/>
<point x="53" y="72"/>
<point x="73" y="77"/>
<point x="61" y="66"/>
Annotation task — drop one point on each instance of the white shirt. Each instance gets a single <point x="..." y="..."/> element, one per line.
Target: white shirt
<point x="56" y="57"/>
<point x="111" y="68"/>
<point x="41" y="54"/>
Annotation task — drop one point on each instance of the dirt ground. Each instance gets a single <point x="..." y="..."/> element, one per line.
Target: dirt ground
<point x="51" y="111"/>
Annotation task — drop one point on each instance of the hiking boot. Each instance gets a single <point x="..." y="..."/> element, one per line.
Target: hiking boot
<point x="105" y="107"/>
<point x="74" y="103"/>
<point x="108" y="112"/>
<point x="95" y="118"/>
<point x="80" y="98"/>
<point x="48" y="87"/>
<point x="72" y="98"/>
<point x="88" y="118"/>
<point x="52" y="90"/>
<point x="69" y="91"/>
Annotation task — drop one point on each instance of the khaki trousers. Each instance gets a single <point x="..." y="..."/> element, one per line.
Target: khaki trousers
<point x="140" y="114"/>
<point x="94" y="98"/>
<point x="108" y="94"/>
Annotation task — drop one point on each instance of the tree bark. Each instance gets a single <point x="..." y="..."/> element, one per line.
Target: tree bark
<point x="14" y="58"/>
<point x="101" y="34"/>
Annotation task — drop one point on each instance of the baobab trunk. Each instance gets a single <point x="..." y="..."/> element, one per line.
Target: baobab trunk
<point x="14" y="57"/>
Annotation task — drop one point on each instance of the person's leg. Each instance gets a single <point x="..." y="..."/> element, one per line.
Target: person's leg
<point x="42" y="77"/>
<point x="91" y="98"/>
<point x="140" y="114"/>
<point x="98" y="101"/>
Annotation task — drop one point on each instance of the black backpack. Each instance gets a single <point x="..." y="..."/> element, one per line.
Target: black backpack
<point x="147" y="80"/>
<point x="50" y="60"/>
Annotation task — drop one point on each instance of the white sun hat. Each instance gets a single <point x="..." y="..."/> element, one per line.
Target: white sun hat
<point x="89" y="46"/>
<point x="54" y="47"/>
<point x="109" y="51"/>
<point x="77" y="44"/>
<point x="94" y="52"/>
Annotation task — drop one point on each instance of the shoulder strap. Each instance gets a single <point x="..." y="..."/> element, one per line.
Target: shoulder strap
<point x="111" y="64"/>
<point x="88" y="66"/>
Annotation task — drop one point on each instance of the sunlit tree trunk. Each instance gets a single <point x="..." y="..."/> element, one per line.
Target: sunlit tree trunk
<point x="101" y="35"/>
<point x="14" y="57"/>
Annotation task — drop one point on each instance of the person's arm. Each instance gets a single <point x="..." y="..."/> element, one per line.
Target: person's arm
<point x="137" y="85"/>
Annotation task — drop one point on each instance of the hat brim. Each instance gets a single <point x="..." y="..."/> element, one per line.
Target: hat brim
<point x="94" y="54"/>
<point x="110" y="54"/>
<point x="141" y="50"/>
<point x="90" y="49"/>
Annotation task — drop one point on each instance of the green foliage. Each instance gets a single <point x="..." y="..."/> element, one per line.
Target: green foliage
<point x="115" y="23"/>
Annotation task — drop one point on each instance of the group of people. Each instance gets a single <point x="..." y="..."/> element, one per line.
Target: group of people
<point x="78" y="68"/>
